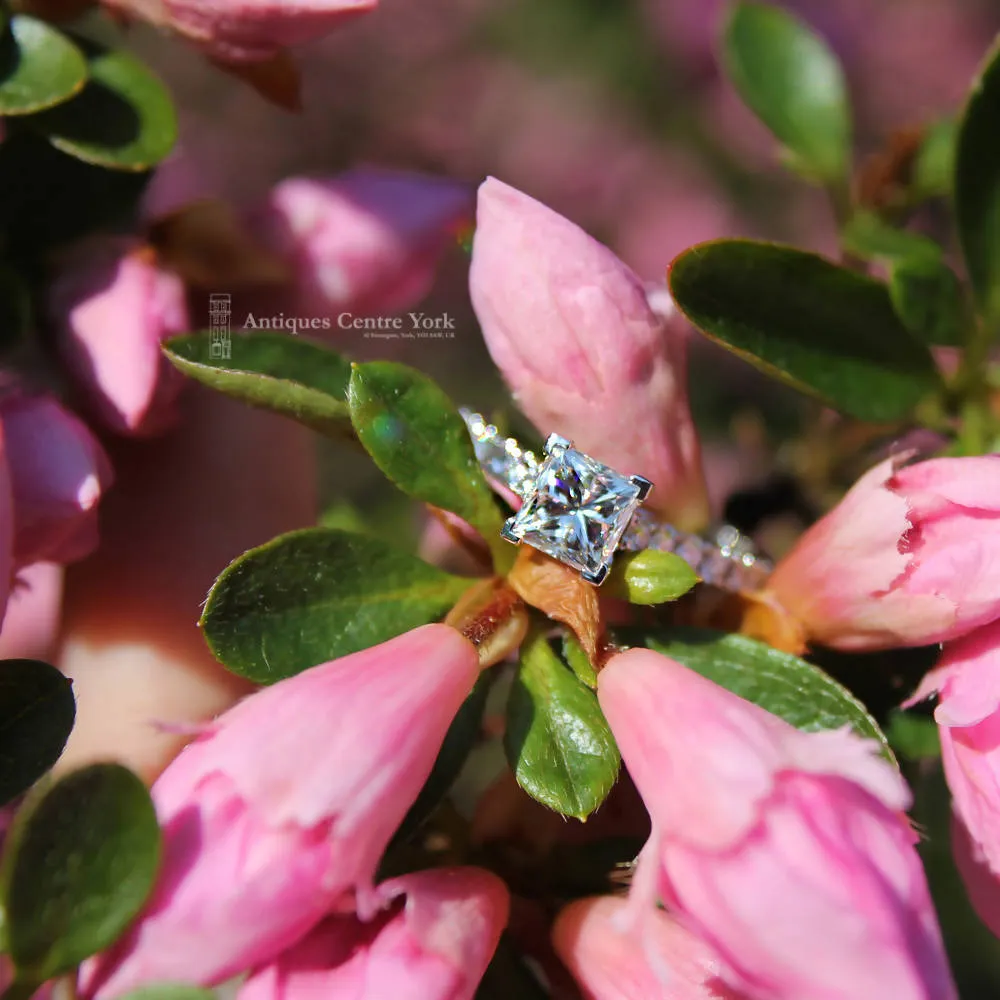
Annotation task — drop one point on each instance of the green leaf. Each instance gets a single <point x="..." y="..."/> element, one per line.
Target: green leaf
<point x="39" y="67"/>
<point x="977" y="187"/>
<point x="577" y="660"/>
<point x="37" y="710"/>
<point x="868" y="236"/>
<point x="557" y="740"/>
<point x="417" y="438"/>
<point x="785" y="685"/>
<point x="463" y="734"/>
<point x="934" y="169"/>
<point x="650" y="577"/>
<point x="273" y="371"/>
<point x="928" y="298"/>
<point x="313" y="595"/>
<point x="823" y="329"/>
<point x="123" y="119"/>
<point x="794" y="83"/>
<point x="169" y="991"/>
<point x="80" y="863"/>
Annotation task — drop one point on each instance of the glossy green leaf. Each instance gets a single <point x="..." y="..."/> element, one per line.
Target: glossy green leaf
<point x="273" y="371"/>
<point x="463" y="734"/>
<point x="169" y="991"/>
<point x="928" y="298"/>
<point x="934" y="168"/>
<point x="123" y="119"/>
<point x="577" y="660"/>
<point x="977" y="187"/>
<point x="823" y="329"/>
<point x="81" y="861"/>
<point x="37" y="710"/>
<point x="785" y="685"/>
<point x="416" y="437"/>
<point x="39" y="67"/>
<point x="313" y="595"/>
<point x="868" y="236"/>
<point x="650" y="577"/>
<point x="925" y="293"/>
<point x="557" y="740"/>
<point x="793" y="82"/>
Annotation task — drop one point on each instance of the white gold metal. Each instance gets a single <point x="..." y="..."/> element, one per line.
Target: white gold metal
<point x="581" y="512"/>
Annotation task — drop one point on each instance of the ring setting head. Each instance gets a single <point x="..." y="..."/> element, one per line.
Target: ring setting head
<point x="576" y="510"/>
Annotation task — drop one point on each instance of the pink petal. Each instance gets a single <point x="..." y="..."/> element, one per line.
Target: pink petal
<point x="114" y="309"/>
<point x="659" y="959"/>
<point x="58" y="472"/>
<point x="366" y="241"/>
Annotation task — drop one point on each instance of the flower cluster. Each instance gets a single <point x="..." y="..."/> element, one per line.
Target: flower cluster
<point x="381" y="797"/>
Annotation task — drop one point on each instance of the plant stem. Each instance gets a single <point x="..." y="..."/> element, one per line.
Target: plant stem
<point x="972" y="387"/>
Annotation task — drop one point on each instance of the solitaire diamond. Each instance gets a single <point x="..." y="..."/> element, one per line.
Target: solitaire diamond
<point x="577" y="510"/>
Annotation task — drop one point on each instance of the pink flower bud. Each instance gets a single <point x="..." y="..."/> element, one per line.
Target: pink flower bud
<point x="58" y="472"/>
<point x="434" y="945"/>
<point x="366" y="241"/>
<point x="786" y="851"/>
<point x="280" y="812"/>
<point x="612" y="958"/>
<point x="909" y="557"/>
<point x="586" y="356"/>
<point x="238" y="31"/>
<point x="967" y="678"/>
<point x="114" y="309"/>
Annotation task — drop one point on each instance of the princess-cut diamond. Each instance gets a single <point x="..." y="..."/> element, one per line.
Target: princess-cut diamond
<point x="577" y="510"/>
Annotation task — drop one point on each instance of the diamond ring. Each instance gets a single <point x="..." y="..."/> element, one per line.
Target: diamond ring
<point x="580" y="512"/>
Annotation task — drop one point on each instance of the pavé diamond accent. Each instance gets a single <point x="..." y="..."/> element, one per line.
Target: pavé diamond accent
<point x="577" y="511"/>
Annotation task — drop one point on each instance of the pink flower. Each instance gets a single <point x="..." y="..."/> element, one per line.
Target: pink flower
<point x="236" y="31"/>
<point x="612" y="960"/>
<point x="967" y="678"/>
<point x="571" y="330"/>
<point x="280" y="811"/>
<point x="32" y="623"/>
<point x="114" y="309"/>
<point x="433" y="945"/>
<point x="366" y="241"/>
<point x="786" y="851"/>
<point x="910" y="556"/>
<point x="57" y="472"/>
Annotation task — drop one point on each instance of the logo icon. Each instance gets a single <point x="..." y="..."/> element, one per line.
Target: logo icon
<point x="220" y="309"/>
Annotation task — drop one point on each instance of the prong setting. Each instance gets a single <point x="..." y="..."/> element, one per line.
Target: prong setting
<point x="644" y="486"/>
<point x="555" y="444"/>
<point x="507" y="531"/>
